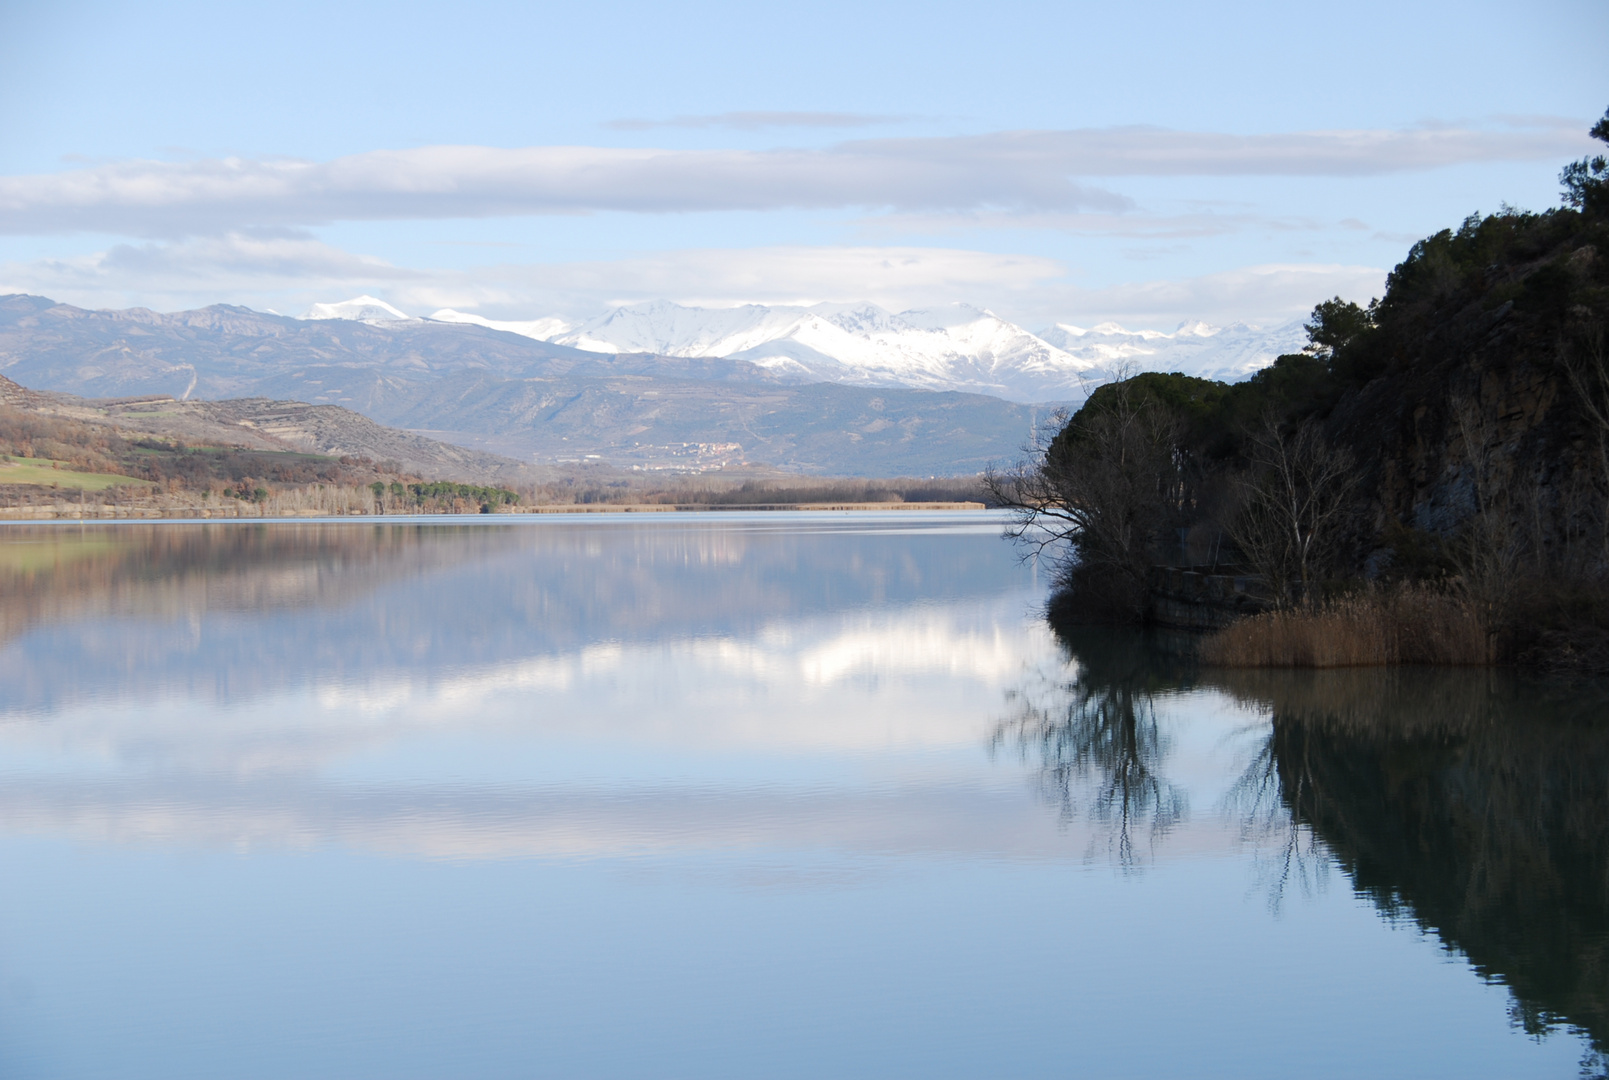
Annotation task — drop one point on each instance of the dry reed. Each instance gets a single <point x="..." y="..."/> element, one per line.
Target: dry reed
<point x="1406" y="625"/>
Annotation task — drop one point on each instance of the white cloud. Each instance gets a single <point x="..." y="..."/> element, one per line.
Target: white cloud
<point x="755" y="121"/>
<point x="262" y="271"/>
<point x="151" y="198"/>
<point x="1139" y="225"/>
<point x="1252" y="293"/>
<point x="1029" y="290"/>
<point x="1027" y="171"/>
<point x="1152" y="151"/>
<point x="894" y="277"/>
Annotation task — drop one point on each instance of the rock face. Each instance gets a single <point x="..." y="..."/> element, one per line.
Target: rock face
<point x="1196" y="598"/>
<point x="1467" y="403"/>
<point x="1434" y="435"/>
<point x="11" y="394"/>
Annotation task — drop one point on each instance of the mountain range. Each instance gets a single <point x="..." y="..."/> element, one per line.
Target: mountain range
<point x="830" y="389"/>
<point x="955" y="347"/>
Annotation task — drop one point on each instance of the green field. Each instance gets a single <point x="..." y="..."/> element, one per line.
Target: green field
<point x="43" y="473"/>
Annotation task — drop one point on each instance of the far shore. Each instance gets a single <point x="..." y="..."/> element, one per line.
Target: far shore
<point x="110" y="512"/>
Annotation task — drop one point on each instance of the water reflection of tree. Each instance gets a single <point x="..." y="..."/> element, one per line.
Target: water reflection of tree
<point x="1474" y="805"/>
<point x="1097" y="740"/>
<point x="1286" y="846"/>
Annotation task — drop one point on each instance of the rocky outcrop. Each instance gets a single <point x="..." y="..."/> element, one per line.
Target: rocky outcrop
<point x="1470" y="403"/>
<point x="1196" y="598"/>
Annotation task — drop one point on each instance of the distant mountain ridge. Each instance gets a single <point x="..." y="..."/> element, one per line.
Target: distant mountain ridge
<point x="956" y="347"/>
<point x="832" y="389"/>
<point x="1228" y="354"/>
<point x="491" y="390"/>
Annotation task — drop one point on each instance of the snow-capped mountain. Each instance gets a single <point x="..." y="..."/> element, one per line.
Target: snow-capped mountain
<point x="1228" y="353"/>
<point x="956" y="347"/>
<point x="950" y="348"/>
<point x="541" y="329"/>
<point x="366" y="309"/>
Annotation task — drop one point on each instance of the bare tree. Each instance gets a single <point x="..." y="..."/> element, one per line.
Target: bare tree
<point x="1101" y="492"/>
<point x="1292" y="503"/>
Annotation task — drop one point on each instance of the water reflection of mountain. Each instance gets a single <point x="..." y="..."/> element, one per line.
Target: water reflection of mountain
<point x="1473" y="804"/>
<point x="229" y="610"/>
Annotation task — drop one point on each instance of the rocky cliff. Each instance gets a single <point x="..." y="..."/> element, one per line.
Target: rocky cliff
<point x="1473" y="390"/>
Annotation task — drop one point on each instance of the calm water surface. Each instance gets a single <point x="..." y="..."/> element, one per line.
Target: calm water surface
<point x="774" y="796"/>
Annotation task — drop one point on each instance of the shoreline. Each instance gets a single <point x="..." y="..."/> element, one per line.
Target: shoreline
<point x="108" y="512"/>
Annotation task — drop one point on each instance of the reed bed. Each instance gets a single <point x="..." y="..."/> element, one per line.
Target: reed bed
<point x="1406" y="625"/>
<point x="332" y="499"/>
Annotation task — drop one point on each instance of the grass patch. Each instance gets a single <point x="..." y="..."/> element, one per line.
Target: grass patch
<point x="44" y="472"/>
<point x="1406" y="625"/>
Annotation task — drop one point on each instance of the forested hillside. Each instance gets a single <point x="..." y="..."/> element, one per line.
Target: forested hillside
<point x="1455" y="429"/>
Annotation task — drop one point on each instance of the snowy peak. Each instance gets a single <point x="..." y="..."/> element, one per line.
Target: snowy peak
<point x="1229" y="352"/>
<point x="540" y="329"/>
<point x="947" y="316"/>
<point x="951" y="347"/>
<point x="955" y="347"/>
<point x="367" y="309"/>
<point x="672" y="330"/>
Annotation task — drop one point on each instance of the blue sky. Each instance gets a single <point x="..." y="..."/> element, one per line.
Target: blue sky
<point x="1053" y="162"/>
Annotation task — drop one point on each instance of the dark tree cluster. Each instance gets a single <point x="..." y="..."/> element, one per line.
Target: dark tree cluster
<point x="442" y="495"/>
<point x="1457" y="427"/>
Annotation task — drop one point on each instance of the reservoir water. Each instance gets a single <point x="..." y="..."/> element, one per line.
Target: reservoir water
<point x="781" y="795"/>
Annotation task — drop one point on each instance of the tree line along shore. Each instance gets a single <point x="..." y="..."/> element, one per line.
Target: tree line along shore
<point x="1427" y="482"/>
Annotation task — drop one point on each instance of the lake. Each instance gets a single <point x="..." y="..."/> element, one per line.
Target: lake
<point x="770" y="795"/>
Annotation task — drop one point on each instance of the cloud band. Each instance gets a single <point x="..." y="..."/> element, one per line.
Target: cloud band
<point x="1031" y="171"/>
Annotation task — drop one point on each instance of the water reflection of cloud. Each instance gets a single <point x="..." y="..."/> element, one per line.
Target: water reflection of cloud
<point x="237" y="613"/>
<point x="928" y="641"/>
<point x="470" y="762"/>
<point x="912" y="677"/>
<point x="573" y="692"/>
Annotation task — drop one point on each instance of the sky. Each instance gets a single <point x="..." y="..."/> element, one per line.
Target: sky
<point x="1053" y="162"/>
